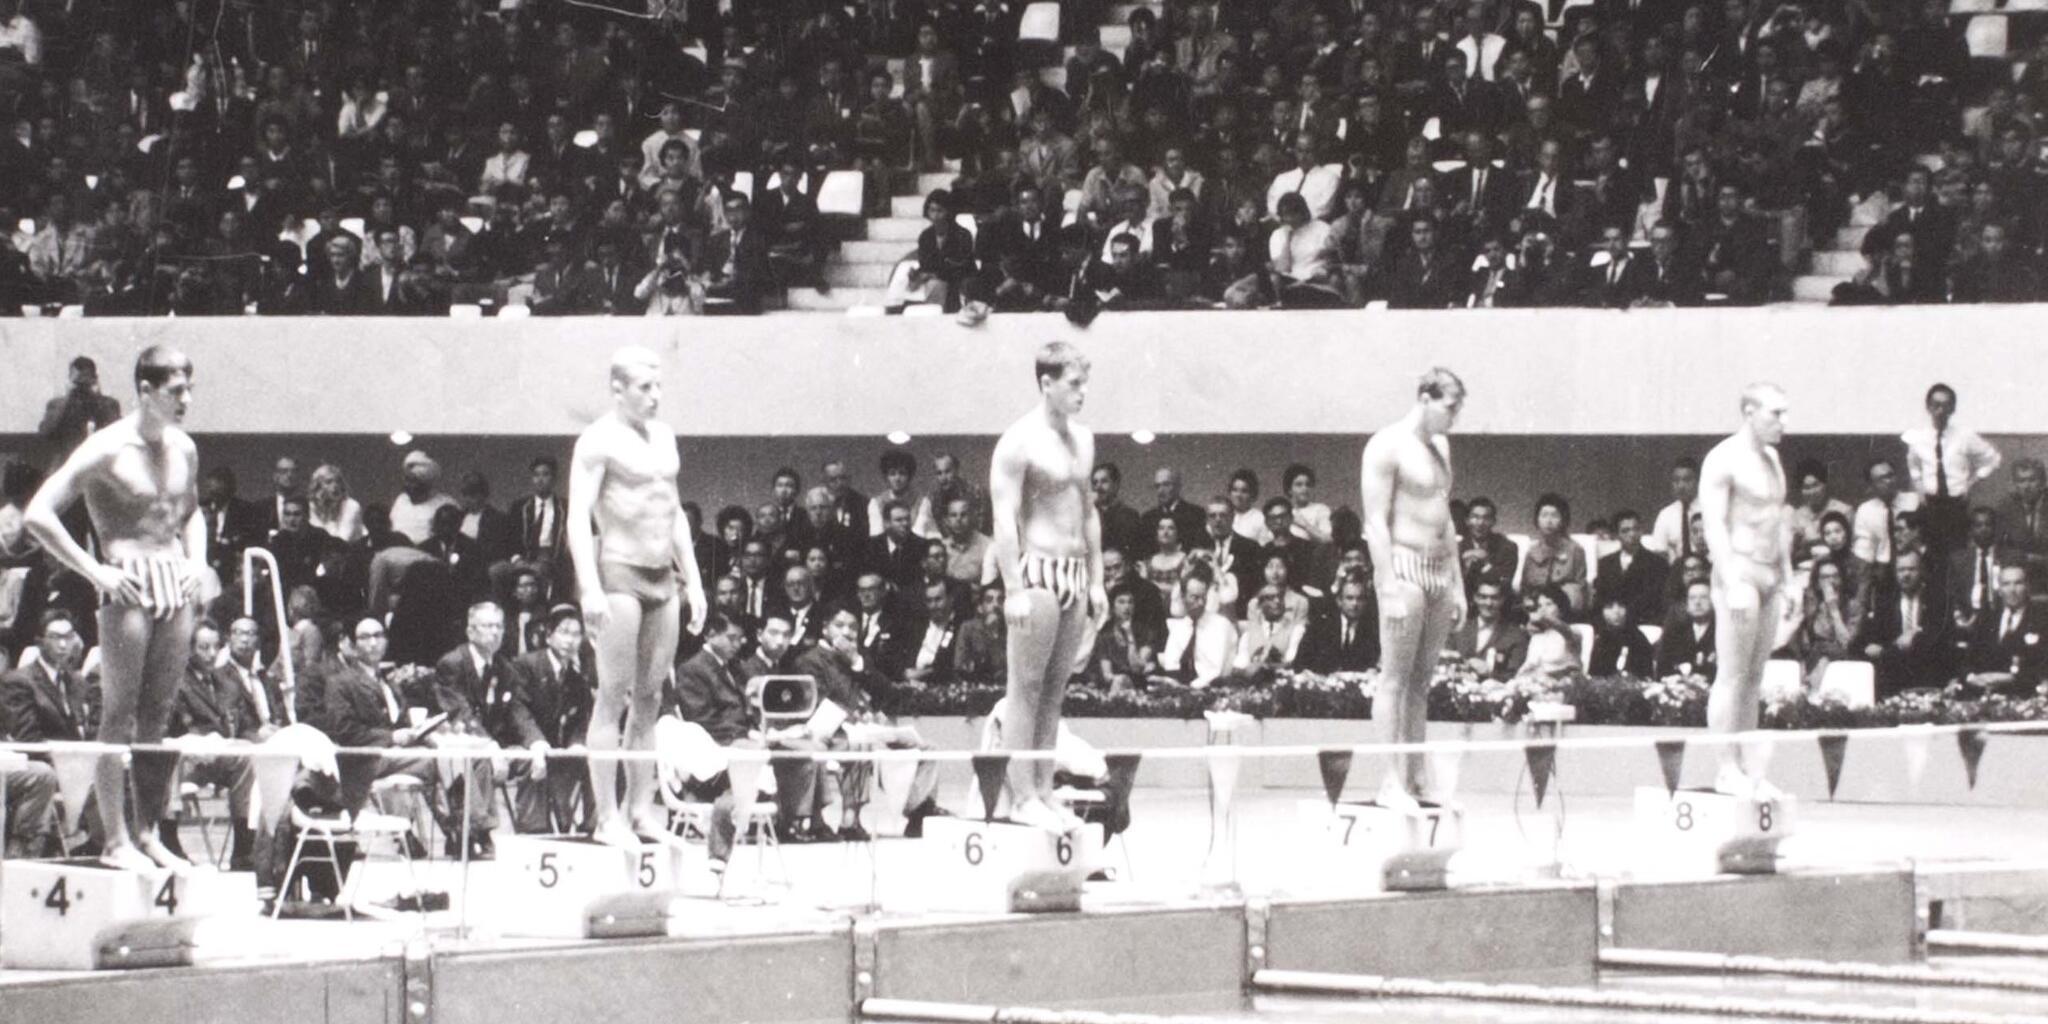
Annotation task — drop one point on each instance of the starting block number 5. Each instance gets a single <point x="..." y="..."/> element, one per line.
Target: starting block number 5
<point x="59" y="896"/>
<point x="1682" y="816"/>
<point x="549" y="872"/>
<point x="974" y="853"/>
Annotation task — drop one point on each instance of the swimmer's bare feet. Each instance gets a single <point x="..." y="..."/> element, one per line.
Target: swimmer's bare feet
<point x="126" y="858"/>
<point x="1034" y="812"/>
<point x="1733" y="781"/>
<point x="153" y="848"/>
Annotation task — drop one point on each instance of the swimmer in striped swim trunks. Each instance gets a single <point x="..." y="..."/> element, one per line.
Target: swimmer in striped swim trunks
<point x="139" y="476"/>
<point x="1406" y="490"/>
<point x="632" y="573"/>
<point x="1048" y="548"/>
<point x="1749" y="536"/>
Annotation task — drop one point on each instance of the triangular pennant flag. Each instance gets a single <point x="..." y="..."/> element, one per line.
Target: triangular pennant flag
<point x="274" y="773"/>
<point x="1970" y="741"/>
<point x="1832" y="746"/>
<point x="153" y="771"/>
<point x="743" y="769"/>
<point x="1122" y="769"/>
<point x="1542" y="760"/>
<point x="358" y="771"/>
<point x="1913" y="746"/>
<point x="75" y="764"/>
<point x="1336" y="767"/>
<point x="990" y="770"/>
<point x="1671" y="761"/>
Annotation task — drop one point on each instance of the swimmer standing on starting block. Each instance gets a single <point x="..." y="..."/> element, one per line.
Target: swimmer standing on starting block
<point x="1406" y="490"/>
<point x="623" y="473"/>
<point x="1048" y="547"/>
<point x="139" y="476"/>
<point x="1749" y="538"/>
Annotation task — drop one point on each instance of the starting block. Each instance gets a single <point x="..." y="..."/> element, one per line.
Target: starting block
<point x="1713" y="833"/>
<point x="1000" y="867"/>
<point x="1406" y="851"/>
<point x="54" y="913"/>
<point x="573" y="887"/>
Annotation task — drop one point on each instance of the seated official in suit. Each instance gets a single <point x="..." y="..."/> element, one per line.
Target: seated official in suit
<point x="1634" y="574"/>
<point x="932" y="645"/>
<point x="883" y="633"/>
<point x="556" y="691"/>
<point x="803" y="791"/>
<point x="1230" y="554"/>
<point x="709" y="694"/>
<point x="2008" y="648"/>
<point x="1687" y="646"/>
<point x="896" y="553"/>
<point x="205" y="708"/>
<point x="366" y="709"/>
<point x="47" y="700"/>
<point x="475" y="686"/>
<point x="1348" y="641"/>
<point x="1619" y="646"/>
<point x="1487" y="643"/>
<point x="845" y="678"/>
<point x="1906" y="631"/>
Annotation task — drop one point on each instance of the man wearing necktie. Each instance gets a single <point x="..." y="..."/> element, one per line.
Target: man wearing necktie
<point x="1944" y="461"/>
<point x="708" y="694"/>
<point x="1972" y="571"/>
<point x="1907" y="636"/>
<point x="2023" y="515"/>
<point x="2006" y="653"/>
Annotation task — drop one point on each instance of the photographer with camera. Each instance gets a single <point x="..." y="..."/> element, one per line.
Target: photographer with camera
<point x="82" y="409"/>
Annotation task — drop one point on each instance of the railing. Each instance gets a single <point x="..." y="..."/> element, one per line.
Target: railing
<point x="250" y="556"/>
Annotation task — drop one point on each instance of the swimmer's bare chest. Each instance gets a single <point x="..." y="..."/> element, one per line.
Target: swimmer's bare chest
<point x="1055" y="492"/>
<point x="637" y="505"/>
<point x="142" y="496"/>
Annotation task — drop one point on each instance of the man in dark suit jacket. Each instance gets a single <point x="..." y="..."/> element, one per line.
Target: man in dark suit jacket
<point x="467" y="566"/>
<point x="1664" y="277"/>
<point x="48" y="700"/>
<point x="1228" y="552"/>
<point x="882" y="632"/>
<point x="1348" y="641"/>
<point x="938" y="633"/>
<point x="497" y="537"/>
<point x="735" y="271"/>
<point x="1932" y="226"/>
<point x="1609" y="284"/>
<point x="1122" y="528"/>
<point x="475" y="687"/>
<point x="1634" y="574"/>
<point x="82" y="409"/>
<point x="1489" y="644"/>
<point x="340" y="288"/>
<point x="1972" y="572"/>
<point x="2008" y="645"/>
<point x="1422" y="277"/>
<point x="1906" y="632"/>
<point x="231" y="523"/>
<point x="896" y="554"/>
<point x="364" y="709"/>
<point x="1020" y="254"/>
<point x="1688" y="640"/>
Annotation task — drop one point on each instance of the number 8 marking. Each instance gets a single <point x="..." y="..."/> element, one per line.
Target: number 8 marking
<point x="1764" y="820"/>
<point x="1684" y="821"/>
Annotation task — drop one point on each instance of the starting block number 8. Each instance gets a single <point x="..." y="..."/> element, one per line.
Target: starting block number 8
<point x="1766" y="818"/>
<point x="59" y="896"/>
<point x="974" y="853"/>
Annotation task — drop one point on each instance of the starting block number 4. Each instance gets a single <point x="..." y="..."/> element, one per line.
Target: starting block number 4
<point x="50" y="911"/>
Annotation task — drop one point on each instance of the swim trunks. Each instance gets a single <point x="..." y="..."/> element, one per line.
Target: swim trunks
<point x="162" y="580"/>
<point x="1432" y="573"/>
<point x="1066" y="578"/>
<point x="652" y="587"/>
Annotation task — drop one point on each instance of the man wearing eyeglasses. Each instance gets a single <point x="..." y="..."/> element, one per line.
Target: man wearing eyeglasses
<point x="366" y="708"/>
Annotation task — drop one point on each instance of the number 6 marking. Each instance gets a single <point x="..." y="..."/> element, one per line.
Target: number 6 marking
<point x="973" y="850"/>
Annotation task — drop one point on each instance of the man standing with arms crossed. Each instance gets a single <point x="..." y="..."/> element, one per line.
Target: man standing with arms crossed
<point x="1749" y="538"/>
<point x="1406" y="490"/>
<point x="139" y="476"/>
<point x="623" y="473"/>
<point x="1048" y="543"/>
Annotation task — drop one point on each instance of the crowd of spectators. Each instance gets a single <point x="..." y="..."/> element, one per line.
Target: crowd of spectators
<point x="666" y="156"/>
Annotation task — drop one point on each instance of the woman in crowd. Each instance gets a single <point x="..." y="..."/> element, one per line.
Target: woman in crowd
<point x="1311" y="517"/>
<point x="1827" y="630"/>
<point x="1555" y="557"/>
<point x="329" y="507"/>
<point x="1553" y="647"/>
<point x="1124" y="656"/>
<point x="1167" y="561"/>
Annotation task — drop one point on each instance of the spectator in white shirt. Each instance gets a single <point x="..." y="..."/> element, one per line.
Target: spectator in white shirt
<point x="507" y="167"/>
<point x="1200" y="645"/>
<point x="18" y="32"/>
<point x="1300" y="248"/>
<point x="1271" y="636"/>
<point x="1871" y="527"/>
<point x="1248" y="520"/>
<point x="1314" y="182"/>
<point x="1311" y="518"/>
<point x="1944" y="461"/>
<point x="671" y="130"/>
<point x="1173" y="174"/>
<point x="1670" y="536"/>
<point x="1813" y="503"/>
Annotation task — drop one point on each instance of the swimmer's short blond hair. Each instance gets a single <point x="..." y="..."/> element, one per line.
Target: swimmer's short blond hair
<point x="1057" y="358"/>
<point x="630" y="357"/>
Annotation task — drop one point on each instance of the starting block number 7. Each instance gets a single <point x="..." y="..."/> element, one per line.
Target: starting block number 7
<point x="974" y="853"/>
<point x="1351" y="825"/>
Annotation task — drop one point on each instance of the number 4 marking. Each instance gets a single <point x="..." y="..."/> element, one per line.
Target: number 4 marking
<point x="167" y="896"/>
<point x="59" y="898"/>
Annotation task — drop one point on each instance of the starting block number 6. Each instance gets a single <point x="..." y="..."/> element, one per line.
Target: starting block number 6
<point x="1765" y="818"/>
<point x="975" y="853"/>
